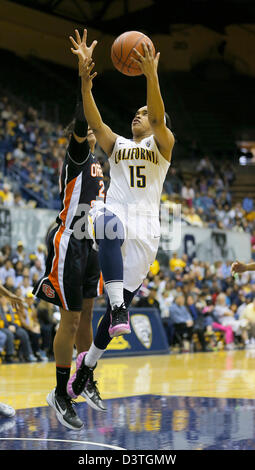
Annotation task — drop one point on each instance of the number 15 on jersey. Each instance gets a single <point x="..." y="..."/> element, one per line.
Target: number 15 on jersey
<point x="137" y="178"/>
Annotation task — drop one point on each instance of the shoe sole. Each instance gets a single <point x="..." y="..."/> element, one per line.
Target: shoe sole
<point x="59" y="415"/>
<point x="119" y="330"/>
<point x="92" y="404"/>
<point x="69" y="387"/>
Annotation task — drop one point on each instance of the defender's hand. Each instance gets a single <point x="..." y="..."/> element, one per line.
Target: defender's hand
<point x="85" y="72"/>
<point x="80" y="47"/>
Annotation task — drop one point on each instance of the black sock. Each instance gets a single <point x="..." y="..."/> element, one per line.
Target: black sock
<point x="62" y="375"/>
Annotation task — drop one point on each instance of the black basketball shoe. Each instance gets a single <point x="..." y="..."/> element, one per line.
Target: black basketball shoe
<point x="119" y="321"/>
<point x="77" y="383"/>
<point x="65" y="412"/>
<point x="92" y="395"/>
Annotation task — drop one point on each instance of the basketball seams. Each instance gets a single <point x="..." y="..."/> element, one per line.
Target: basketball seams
<point x="117" y="58"/>
<point x="124" y="43"/>
<point x="130" y="52"/>
<point x="119" y="64"/>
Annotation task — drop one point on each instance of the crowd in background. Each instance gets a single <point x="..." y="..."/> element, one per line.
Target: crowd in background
<point x="31" y="150"/>
<point x="194" y="299"/>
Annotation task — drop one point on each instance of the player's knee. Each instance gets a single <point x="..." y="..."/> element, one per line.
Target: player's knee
<point x="70" y="322"/>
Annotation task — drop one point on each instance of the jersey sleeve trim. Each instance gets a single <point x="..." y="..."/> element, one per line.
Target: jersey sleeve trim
<point x="76" y="151"/>
<point x="77" y="163"/>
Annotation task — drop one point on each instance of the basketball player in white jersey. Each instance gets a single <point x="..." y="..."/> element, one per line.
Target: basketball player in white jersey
<point x="138" y="168"/>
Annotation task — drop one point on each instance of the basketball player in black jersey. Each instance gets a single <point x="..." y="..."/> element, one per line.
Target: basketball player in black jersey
<point x="72" y="269"/>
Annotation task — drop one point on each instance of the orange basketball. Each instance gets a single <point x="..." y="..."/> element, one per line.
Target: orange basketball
<point x="122" y="52"/>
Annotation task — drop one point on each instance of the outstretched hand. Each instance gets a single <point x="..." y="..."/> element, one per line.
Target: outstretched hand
<point x="80" y="47"/>
<point x="238" y="267"/>
<point x="16" y="303"/>
<point x="147" y="63"/>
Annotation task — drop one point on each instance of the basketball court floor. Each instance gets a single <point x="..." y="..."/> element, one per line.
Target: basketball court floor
<point x="182" y="401"/>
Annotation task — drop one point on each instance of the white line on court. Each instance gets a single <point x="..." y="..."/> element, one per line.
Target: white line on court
<point x="61" y="440"/>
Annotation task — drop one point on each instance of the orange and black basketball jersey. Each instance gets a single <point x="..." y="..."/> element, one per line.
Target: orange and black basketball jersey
<point x="81" y="182"/>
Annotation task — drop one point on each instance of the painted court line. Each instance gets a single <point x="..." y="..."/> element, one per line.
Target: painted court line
<point x="61" y="440"/>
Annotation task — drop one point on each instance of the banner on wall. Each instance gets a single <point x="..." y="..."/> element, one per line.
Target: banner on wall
<point x="211" y="245"/>
<point x="147" y="334"/>
<point x="28" y="225"/>
<point x="31" y="226"/>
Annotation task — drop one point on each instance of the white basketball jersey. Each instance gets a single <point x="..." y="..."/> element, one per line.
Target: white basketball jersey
<point x="137" y="171"/>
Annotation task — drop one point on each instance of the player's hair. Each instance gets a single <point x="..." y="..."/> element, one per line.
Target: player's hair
<point x="68" y="130"/>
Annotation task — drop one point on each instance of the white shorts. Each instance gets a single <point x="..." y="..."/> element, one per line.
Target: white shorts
<point x="140" y="246"/>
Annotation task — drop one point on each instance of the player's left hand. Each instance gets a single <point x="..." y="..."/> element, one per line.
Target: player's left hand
<point x="80" y="47"/>
<point x="147" y="63"/>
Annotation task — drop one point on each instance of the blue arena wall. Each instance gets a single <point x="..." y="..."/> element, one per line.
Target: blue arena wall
<point x="147" y="334"/>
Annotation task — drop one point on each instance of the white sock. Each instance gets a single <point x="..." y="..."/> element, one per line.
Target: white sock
<point x="114" y="290"/>
<point x="93" y="355"/>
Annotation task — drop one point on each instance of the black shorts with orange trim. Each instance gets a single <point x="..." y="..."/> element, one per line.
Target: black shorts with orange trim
<point x="72" y="271"/>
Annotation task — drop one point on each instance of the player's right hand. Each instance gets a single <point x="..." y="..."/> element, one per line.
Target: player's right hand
<point x="238" y="267"/>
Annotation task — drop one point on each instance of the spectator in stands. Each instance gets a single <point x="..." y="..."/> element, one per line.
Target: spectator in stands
<point x="7" y="271"/>
<point x="218" y="183"/>
<point x="20" y="253"/>
<point x="26" y="286"/>
<point x="248" y="204"/>
<point x="182" y="321"/>
<point x="198" y="319"/>
<point x="176" y="262"/>
<point x="174" y="182"/>
<point x="36" y="268"/>
<point x="5" y="254"/>
<point x="205" y="166"/>
<point x="12" y="327"/>
<point x="248" y="314"/>
<point x="40" y="253"/>
<point x="3" y="338"/>
<point x="225" y="317"/>
<point x="18" y="201"/>
<point x="19" y="152"/>
<point x="166" y="299"/>
<point x="150" y="301"/>
<point x="193" y="218"/>
<point x="6" y="195"/>
<point x="188" y="193"/>
<point x="19" y="266"/>
<point x="30" y="323"/>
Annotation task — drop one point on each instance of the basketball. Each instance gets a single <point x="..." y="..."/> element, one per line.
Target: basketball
<point x="122" y="52"/>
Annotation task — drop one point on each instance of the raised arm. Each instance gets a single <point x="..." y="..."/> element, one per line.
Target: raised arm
<point x="238" y="267"/>
<point x="105" y="136"/>
<point x="155" y="106"/>
<point x="16" y="302"/>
